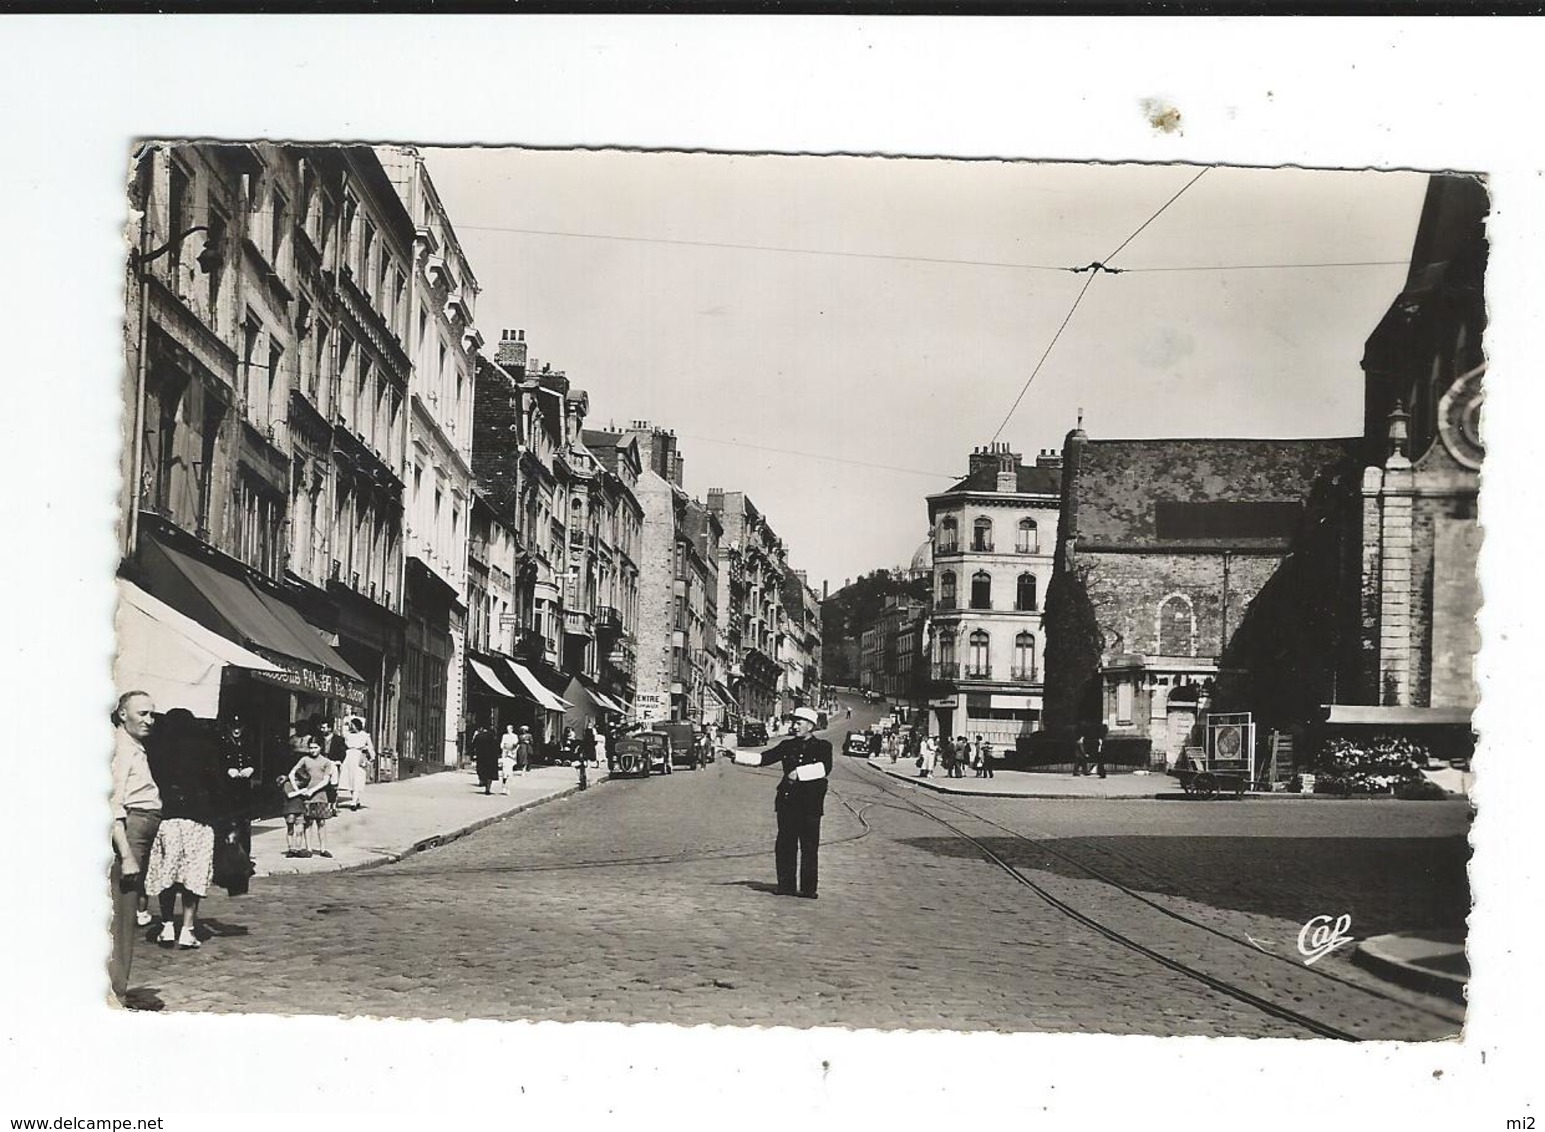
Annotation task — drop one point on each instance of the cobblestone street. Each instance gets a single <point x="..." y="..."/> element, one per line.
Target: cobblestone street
<point x="650" y="900"/>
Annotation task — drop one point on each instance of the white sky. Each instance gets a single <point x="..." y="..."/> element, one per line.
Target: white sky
<point x="910" y="364"/>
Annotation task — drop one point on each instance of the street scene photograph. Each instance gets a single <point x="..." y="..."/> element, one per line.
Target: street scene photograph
<point x="649" y="586"/>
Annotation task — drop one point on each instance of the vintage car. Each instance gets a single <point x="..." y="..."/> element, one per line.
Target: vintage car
<point x="689" y="745"/>
<point x="753" y="734"/>
<point x="642" y="753"/>
<point x="857" y="743"/>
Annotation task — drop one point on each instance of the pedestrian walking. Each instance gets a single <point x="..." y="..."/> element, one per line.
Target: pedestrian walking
<point x="976" y="757"/>
<point x="136" y="802"/>
<point x="587" y="747"/>
<point x="309" y="780"/>
<point x="525" y="747"/>
<point x="335" y="749"/>
<point x="354" y="770"/>
<point x="485" y="755"/>
<point x="986" y="760"/>
<point x="799" y="803"/>
<point x="1094" y="748"/>
<point x="185" y="760"/>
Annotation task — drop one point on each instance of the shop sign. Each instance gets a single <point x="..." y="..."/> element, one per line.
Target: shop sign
<point x="942" y="701"/>
<point x="314" y="682"/>
<point x="650" y="707"/>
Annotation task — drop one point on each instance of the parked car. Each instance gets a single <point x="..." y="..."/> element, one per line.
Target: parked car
<point x="753" y="734"/>
<point x="642" y="752"/>
<point x="857" y="743"/>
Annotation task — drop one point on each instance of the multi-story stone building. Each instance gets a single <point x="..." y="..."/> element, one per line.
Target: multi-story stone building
<point x="993" y="537"/>
<point x="619" y="537"/>
<point x="439" y="296"/>
<point x="750" y="603"/>
<point x="675" y="636"/>
<point x="802" y="641"/>
<point x="264" y="492"/>
<point x="518" y="430"/>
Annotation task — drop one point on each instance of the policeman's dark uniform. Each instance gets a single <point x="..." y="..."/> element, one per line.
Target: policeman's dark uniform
<point x="799" y="806"/>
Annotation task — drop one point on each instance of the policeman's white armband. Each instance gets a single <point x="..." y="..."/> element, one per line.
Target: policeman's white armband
<point x="746" y="758"/>
<point x="809" y="773"/>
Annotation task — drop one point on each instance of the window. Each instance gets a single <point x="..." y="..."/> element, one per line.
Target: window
<point x="275" y="368"/>
<point x="947" y="649"/>
<point x="249" y="336"/>
<point x="213" y="258"/>
<point x="1176" y="627"/>
<point x="981" y="534"/>
<point x="981" y="590"/>
<point x="979" y="663"/>
<point x="949" y="535"/>
<point x="367" y="257"/>
<point x="1028" y="540"/>
<point x="346" y="232"/>
<point x="947" y="590"/>
<point x="1124" y="702"/>
<point x="1024" y="657"/>
<point x="1024" y="593"/>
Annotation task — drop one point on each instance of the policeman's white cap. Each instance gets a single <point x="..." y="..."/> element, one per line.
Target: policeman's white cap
<point x="808" y="715"/>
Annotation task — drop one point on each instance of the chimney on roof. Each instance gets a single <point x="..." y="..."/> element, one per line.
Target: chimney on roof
<point x="512" y="350"/>
<point x="1049" y="458"/>
<point x="825" y="589"/>
<point x="1008" y="468"/>
<point x="983" y="457"/>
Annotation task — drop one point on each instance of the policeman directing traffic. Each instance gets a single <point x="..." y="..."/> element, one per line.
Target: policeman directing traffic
<point x="800" y="802"/>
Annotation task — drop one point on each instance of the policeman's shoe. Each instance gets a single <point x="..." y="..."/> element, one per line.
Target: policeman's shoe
<point x="809" y="896"/>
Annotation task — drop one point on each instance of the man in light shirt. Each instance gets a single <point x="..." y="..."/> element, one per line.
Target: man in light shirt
<point x="136" y="806"/>
<point x="800" y="801"/>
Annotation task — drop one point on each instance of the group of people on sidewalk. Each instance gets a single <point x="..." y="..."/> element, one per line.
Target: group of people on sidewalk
<point x="181" y="803"/>
<point x="499" y="758"/>
<point x="954" y="755"/>
<point x="184" y="793"/>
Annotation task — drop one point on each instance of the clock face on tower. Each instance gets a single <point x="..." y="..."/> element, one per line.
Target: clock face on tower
<point x="1459" y="419"/>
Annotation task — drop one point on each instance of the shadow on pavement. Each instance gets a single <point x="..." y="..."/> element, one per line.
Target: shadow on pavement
<point x="1386" y="884"/>
<point x="753" y="885"/>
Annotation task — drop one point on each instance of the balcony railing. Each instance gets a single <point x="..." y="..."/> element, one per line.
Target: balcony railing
<point x="978" y="671"/>
<point x="946" y="603"/>
<point x="946" y="670"/>
<point x="982" y="545"/>
<point x="608" y="619"/>
<point x="1023" y="672"/>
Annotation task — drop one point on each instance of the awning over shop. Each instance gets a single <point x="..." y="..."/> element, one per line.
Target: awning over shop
<point x="173" y="657"/>
<point x="490" y="679"/>
<point x="1378" y="716"/>
<point x="534" y="690"/>
<point x="238" y="611"/>
<point x="605" y="701"/>
<point x="723" y="693"/>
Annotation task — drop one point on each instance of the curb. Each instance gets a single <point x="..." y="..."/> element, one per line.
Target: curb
<point x="1373" y="955"/>
<point x="1157" y="795"/>
<point x="434" y="841"/>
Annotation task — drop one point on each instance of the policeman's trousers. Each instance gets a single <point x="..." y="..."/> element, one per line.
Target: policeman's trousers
<point x="799" y="835"/>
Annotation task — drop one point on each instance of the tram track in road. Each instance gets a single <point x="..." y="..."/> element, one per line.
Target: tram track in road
<point x="1225" y="986"/>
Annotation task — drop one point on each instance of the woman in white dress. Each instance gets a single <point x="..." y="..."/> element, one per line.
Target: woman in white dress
<point x="354" y="773"/>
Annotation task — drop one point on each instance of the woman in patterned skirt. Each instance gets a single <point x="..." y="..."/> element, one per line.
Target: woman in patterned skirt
<point x="185" y="761"/>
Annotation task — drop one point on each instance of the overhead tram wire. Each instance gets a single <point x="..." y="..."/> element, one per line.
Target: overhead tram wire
<point x="818" y="456"/>
<point x="1093" y="269"/>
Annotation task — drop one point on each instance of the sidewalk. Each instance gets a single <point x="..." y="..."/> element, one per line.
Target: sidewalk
<point x="1031" y="784"/>
<point x="403" y="817"/>
<point x="1430" y="961"/>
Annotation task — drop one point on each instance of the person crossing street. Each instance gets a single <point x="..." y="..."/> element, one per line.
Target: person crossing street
<point x="800" y="802"/>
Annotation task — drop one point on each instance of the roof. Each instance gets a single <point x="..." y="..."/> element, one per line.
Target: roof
<point x="1204" y="493"/>
<point x="1033" y="480"/>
